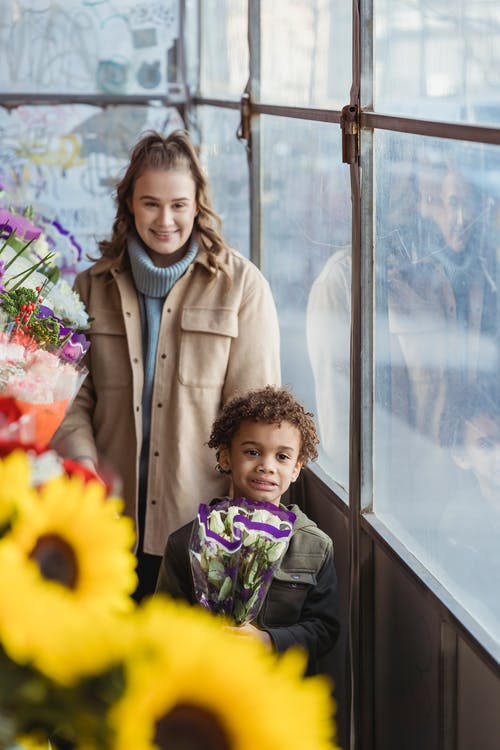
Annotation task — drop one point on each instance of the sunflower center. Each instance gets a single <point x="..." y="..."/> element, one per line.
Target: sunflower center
<point x="56" y="560"/>
<point x="189" y="727"/>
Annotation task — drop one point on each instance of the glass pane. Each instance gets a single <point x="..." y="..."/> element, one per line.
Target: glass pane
<point x="438" y="60"/>
<point x="225" y="162"/>
<point x="75" y="47"/>
<point x="306" y="53"/>
<point x="437" y="407"/>
<point x="306" y="230"/>
<point x="224" y="48"/>
<point x="64" y="161"/>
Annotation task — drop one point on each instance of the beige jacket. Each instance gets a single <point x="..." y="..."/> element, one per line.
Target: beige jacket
<point x="218" y="336"/>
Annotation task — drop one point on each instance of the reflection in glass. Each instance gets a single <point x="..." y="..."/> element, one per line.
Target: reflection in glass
<point x="436" y="350"/>
<point x="454" y="45"/>
<point x="318" y="73"/>
<point x="306" y="228"/>
<point x="224" y="48"/>
<point x="225" y="161"/>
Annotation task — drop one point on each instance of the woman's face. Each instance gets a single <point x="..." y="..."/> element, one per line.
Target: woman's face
<point x="164" y="207"/>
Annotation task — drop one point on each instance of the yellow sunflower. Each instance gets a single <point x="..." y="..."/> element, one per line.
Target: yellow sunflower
<point x="188" y="680"/>
<point x="67" y="571"/>
<point x="15" y="486"/>
<point x="30" y="743"/>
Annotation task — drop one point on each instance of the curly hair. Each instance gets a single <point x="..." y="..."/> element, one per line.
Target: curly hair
<point x="157" y="152"/>
<point x="270" y="405"/>
<point x="465" y="405"/>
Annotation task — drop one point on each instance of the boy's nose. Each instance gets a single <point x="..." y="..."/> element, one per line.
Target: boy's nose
<point x="460" y="216"/>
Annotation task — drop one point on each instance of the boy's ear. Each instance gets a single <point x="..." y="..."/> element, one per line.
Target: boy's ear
<point x="296" y="471"/>
<point x="224" y="459"/>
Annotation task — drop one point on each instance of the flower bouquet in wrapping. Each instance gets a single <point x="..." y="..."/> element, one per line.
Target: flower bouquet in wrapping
<point x="265" y="533"/>
<point x="214" y="555"/>
<point x="235" y="548"/>
<point x="41" y="339"/>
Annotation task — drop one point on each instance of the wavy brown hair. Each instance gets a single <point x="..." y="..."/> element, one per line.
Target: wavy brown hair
<point x="158" y="152"/>
<point x="270" y="405"/>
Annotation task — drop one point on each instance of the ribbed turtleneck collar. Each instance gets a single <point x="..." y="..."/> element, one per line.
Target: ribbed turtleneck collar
<point x="151" y="280"/>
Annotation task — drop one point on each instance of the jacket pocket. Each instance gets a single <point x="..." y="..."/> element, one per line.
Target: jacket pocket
<point x="110" y="366"/>
<point x="286" y="597"/>
<point x="206" y="336"/>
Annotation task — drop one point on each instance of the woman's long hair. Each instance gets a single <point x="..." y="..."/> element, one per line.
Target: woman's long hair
<point x="157" y="152"/>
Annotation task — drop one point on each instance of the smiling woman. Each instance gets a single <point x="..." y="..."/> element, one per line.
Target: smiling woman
<point x="164" y="208"/>
<point x="174" y="313"/>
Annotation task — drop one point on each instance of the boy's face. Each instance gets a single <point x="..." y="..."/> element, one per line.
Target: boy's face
<point x="481" y="450"/>
<point x="263" y="459"/>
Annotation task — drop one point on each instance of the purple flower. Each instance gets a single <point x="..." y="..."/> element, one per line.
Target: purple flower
<point x="75" y="347"/>
<point x="23" y="227"/>
<point x="46" y="312"/>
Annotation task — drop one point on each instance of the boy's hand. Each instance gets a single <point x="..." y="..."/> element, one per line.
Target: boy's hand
<point x="250" y="631"/>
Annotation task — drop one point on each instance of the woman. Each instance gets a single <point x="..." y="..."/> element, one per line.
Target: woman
<point x="180" y="323"/>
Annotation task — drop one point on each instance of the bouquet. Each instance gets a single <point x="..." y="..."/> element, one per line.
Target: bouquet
<point x="41" y="339"/>
<point x="214" y="552"/>
<point x="235" y="548"/>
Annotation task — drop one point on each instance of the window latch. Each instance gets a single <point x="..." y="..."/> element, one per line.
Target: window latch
<point x="349" y="124"/>
<point x="243" y="132"/>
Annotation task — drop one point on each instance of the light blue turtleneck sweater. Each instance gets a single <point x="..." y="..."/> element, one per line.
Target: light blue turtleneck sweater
<point x="153" y="284"/>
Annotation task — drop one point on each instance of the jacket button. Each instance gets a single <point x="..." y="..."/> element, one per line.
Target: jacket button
<point x="135" y="360"/>
<point x="156" y="453"/>
<point x="163" y="356"/>
<point x="128" y="314"/>
<point x="137" y="408"/>
<point x="160" y="405"/>
<point x="153" y="502"/>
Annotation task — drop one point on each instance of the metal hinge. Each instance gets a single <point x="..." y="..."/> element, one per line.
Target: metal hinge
<point x="349" y="123"/>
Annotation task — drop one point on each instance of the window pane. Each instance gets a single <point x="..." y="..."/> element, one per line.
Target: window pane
<point x="306" y="215"/>
<point x="306" y="53"/>
<point x="225" y="161"/>
<point x="437" y="408"/>
<point x="92" y="48"/>
<point x="438" y="60"/>
<point x="224" y="48"/>
<point x="65" y="160"/>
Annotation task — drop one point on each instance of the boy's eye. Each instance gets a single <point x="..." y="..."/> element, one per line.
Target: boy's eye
<point x="252" y="452"/>
<point x="486" y="444"/>
<point x="283" y="456"/>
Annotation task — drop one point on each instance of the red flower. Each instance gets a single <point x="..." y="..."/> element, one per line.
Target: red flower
<point x="9" y="410"/>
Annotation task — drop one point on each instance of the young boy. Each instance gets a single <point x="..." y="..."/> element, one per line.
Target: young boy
<point x="262" y="440"/>
<point x="470" y="526"/>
